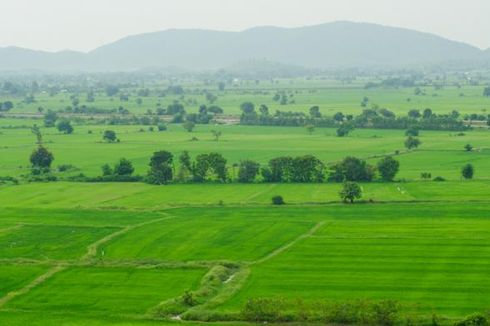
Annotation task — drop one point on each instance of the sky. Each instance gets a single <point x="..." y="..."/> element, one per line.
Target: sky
<point x="83" y="25"/>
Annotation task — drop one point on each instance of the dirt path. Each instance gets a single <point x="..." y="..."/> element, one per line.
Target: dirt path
<point x="40" y="279"/>
<point x="93" y="248"/>
<point x="257" y="194"/>
<point x="289" y="244"/>
<point x="10" y="228"/>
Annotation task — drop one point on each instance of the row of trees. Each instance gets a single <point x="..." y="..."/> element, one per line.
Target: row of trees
<point x="285" y="169"/>
<point x="213" y="167"/>
<point x="376" y="117"/>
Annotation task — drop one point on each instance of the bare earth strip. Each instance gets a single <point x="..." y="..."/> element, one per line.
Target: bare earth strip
<point x="290" y="244"/>
<point x="9" y="296"/>
<point x="92" y="249"/>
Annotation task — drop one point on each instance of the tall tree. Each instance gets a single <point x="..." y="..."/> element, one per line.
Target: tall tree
<point x="468" y="171"/>
<point x="388" y="167"/>
<point x="41" y="158"/>
<point x="161" y="168"/>
<point x="350" y="191"/>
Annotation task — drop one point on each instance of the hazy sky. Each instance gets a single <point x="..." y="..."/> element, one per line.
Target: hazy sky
<point x="85" y="24"/>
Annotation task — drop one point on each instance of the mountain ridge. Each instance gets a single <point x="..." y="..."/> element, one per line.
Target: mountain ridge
<point x="339" y="44"/>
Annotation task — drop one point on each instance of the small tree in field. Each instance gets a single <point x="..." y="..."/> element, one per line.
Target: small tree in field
<point x="65" y="127"/>
<point x="161" y="169"/>
<point x="216" y="134"/>
<point x="247" y="171"/>
<point x="486" y="91"/>
<point x="388" y="167"/>
<point x="350" y="191"/>
<point x="278" y="200"/>
<point x="467" y="171"/>
<point x="412" y="142"/>
<point x="189" y="125"/>
<point x="41" y="158"/>
<point x="310" y="129"/>
<point x="109" y="136"/>
<point x="123" y="167"/>
<point x="468" y="147"/>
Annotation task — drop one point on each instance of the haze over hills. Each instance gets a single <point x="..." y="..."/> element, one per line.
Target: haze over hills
<point x="331" y="45"/>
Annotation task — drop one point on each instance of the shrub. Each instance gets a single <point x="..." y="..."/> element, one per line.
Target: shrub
<point x="278" y="200"/>
<point x="439" y="179"/>
<point x="261" y="310"/>
<point x="473" y="320"/>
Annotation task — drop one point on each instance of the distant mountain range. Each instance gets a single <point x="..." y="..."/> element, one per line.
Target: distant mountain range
<point x="327" y="46"/>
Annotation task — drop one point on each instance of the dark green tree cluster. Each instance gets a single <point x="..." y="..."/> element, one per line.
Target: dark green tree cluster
<point x="301" y="169"/>
<point x="378" y="118"/>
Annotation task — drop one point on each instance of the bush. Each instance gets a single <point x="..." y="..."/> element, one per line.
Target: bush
<point x="278" y="200"/>
<point x="65" y="167"/>
<point x="473" y="320"/>
<point x="261" y="310"/>
<point x="439" y="179"/>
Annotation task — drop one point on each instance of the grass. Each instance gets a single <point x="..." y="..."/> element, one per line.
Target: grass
<point x="123" y="196"/>
<point x="14" y="277"/>
<point x="49" y="242"/>
<point x="441" y="152"/>
<point x="332" y="96"/>
<point x="107" y="291"/>
<point x="436" y="260"/>
<point x="220" y="234"/>
<point x="124" y="253"/>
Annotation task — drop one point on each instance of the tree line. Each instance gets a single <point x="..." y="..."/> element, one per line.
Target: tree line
<point x="377" y="118"/>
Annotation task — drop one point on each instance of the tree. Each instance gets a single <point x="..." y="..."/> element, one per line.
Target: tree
<point x="350" y="191"/>
<point x="427" y="114"/>
<point x="36" y="131"/>
<point x="50" y="118"/>
<point x="388" y="167"/>
<point x="109" y="136"/>
<point x="216" y="134"/>
<point x="468" y="147"/>
<point x="264" y="110"/>
<point x="175" y="108"/>
<point x="123" y="167"/>
<point x="486" y="91"/>
<point x="6" y="106"/>
<point x="247" y="171"/>
<point x="41" y="158"/>
<point x="111" y="90"/>
<point x="277" y="200"/>
<point x="339" y="117"/>
<point x="161" y="171"/>
<point x="467" y="171"/>
<point x="221" y="86"/>
<point x="412" y="142"/>
<point x="351" y="169"/>
<point x="205" y="163"/>
<point x="344" y="129"/>
<point x="310" y="129"/>
<point x="414" y="114"/>
<point x="65" y="127"/>
<point x="307" y="169"/>
<point x="412" y="131"/>
<point x="278" y="170"/>
<point x="185" y="166"/>
<point x="247" y="107"/>
<point x="315" y="112"/>
<point x="188" y="125"/>
<point x="107" y="170"/>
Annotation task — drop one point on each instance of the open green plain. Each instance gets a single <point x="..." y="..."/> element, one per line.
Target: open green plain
<point x="331" y="95"/>
<point x="80" y="253"/>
